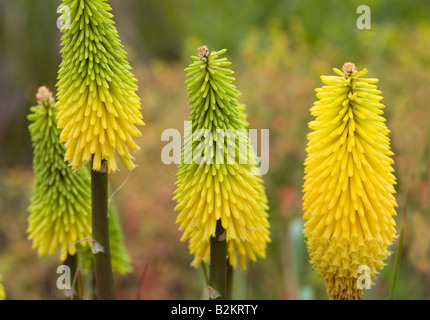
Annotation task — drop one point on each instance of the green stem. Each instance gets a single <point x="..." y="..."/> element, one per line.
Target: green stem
<point x="205" y="271"/>
<point x="72" y="263"/>
<point x="100" y="221"/>
<point x="91" y="280"/>
<point x="229" y="281"/>
<point x="218" y="264"/>
<point x="398" y="255"/>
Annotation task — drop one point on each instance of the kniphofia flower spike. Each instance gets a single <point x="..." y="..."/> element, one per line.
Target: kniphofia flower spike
<point x="349" y="183"/>
<point x="60" y="208"/>
<point x="97" y="98"/>
<point x="218" y="190"/>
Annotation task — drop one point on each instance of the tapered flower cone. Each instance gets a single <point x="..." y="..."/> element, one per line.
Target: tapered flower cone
<point x="60" y="209"/>
<point x="97" y="97"/>
<point x="349" y="183"/>
<point x="2" y="291"/>
<point x="211" y="189"/>
<point x="61" y="203"/>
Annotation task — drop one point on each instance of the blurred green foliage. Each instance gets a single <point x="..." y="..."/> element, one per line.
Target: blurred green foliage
<point x="279" y="49"/>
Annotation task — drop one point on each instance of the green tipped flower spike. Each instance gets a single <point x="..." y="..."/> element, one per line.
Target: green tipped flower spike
<point x="2" y="291"/>
<point x="229" y="192"/>
<point x="62" y="198"/>
<point x="97" y="97"/>
<point x="60" y="209"/>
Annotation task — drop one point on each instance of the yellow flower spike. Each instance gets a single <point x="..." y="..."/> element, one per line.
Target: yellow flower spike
<point x="348" y="197"/>
<point x="230" y="192"/>
<point x="60" y="209"/>
<point x="60" y="205"/>
<point x="97" y="98"/>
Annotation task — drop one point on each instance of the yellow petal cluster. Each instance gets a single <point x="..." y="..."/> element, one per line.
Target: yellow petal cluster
<point x="250" y="240"/>
<point x="349" y="183"/>
<point x="97" y="98"/>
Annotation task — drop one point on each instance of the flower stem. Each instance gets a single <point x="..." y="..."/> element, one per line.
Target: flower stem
<point x="229" y="280"/>
<point x="76" y="292"/>
<point x="398" y="255"/>
<point x="100" y="222"/>
<point x="218" y="265"/>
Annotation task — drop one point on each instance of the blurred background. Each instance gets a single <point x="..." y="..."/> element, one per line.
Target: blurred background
<point x="279" y="49"/>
